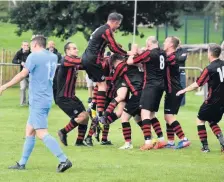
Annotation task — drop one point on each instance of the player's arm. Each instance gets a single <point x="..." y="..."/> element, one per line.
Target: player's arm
<point x="71" y="62"/>
<point x="143" y="57"/>
<point x="201" y="80"/>
<point x="19" y="77"/>
<point x="114" y="47"/>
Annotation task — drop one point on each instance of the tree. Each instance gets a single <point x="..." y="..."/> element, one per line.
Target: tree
<point x="215" y="8"/>
<point x="65" y="18"/>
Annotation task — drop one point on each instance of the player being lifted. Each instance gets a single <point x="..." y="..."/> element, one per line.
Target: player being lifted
<point x="172" y="102"/>
<point x="213" y="107"/>
<point x="94" y="53"/>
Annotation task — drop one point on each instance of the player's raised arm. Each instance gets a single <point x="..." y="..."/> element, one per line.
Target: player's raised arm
<point x="113" y="46"/>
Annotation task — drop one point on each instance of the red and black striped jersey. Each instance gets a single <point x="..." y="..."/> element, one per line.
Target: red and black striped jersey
<point x="153" y="65"/>
<point x="172" y="76"/>
<point x="66" y="76"/>
<point x="213" y="74"/>
<point x="100" y="38"/>
<point x="130" y="74"/>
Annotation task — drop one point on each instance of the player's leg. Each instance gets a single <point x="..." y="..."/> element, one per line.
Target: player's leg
<point x="146" y="125"/>
<point x="27" y="148"/>
<point x="82" y="120"/>
<point x="170" y="136"/>
<point x="218" y="133"/>
<point x="126" y="130"/>
<point x="202" y="133"/>
<point x="171" y="108"/>
<point x="121" y="95"/>
<point x="131" y="109"/>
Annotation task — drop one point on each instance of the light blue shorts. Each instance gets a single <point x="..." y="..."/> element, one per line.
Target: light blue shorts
<point x="38" y="117"/>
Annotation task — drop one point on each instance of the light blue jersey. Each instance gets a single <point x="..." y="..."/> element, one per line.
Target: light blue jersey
<point x="41" y="66"/>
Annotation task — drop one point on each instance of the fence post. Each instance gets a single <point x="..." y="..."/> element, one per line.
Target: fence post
<point x="2" y="59"/>
<point x="185" y="26"/>
<point x="157" y="33"/>
<point x="222" y="28"/>
<point x="208" y="28"/>
<point x="205" y="28"/>
<point x="166" y="30"/>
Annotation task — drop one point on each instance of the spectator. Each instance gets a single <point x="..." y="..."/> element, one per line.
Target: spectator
<point x="51" y="48"/>
<point x="181" y="54"/>
<point x="20" y="58"/>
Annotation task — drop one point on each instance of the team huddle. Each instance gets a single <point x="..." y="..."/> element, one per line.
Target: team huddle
<point x="132" y="82"/>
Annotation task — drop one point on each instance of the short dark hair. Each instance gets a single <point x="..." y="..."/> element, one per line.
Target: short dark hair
<point x="66" y="46"/>
<point x="175" y="41"/>
<point x="40" y="40"/>
<point x="116" y="57"/>
<point x="115" y="17"/>
<point x="214" y="49"/>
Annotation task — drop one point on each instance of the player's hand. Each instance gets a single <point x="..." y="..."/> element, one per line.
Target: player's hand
<point x="130" y="53"/>
<point x="2" y="88"/>
<point x="23" y="63"/>
<point x="180" y="92"/>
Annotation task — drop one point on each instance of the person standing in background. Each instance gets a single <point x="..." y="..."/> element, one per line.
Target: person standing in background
<point x="51" y="48"/>
<point x="20" y="58"/>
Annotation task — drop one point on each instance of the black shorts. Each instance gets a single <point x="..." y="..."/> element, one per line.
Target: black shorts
<point x="172" y="103"/>
<point x="132" y="105"/>
<point x="71" y="106"/>
<point x="151" y="97"/>
<point x="94" y="70"/>
<point x="211" y="112"/>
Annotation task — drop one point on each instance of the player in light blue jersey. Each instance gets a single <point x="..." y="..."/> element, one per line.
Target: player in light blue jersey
<point x="40" y="65"/>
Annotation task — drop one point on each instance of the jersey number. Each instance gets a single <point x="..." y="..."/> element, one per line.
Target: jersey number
<point x="162" y="62"/>
<point x="221" y="73"/>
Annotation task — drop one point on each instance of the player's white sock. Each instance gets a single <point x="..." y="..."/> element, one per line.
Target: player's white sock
<point x="148" y="141"/>
<point x="161" y="139"/>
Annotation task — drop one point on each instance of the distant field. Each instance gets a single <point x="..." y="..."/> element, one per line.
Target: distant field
<point x="9" y="40"/>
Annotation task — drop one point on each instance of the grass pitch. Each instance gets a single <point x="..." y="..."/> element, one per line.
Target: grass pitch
<point x="106" y="163"/>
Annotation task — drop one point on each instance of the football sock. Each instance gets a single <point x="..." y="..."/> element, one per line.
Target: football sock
<point x="169" y="132"/>
<point x="177" y="129"/>
<point x="81" y="133"/>
<point x="218" y="132"/>
<point x="105" y="132"/>
<point x="101" y="99"/>
<point x="140" y="125"/>
<point x="113" y="104"/>
<point x="70" y="126"/>
<point x="91" y="130"/>
<point x="111" y="117"/>
<point x="156" y="126"/>
<point x="54" y="147"/>
<point x="126" y="129"/>
<point x="146" y="124"/>
<point x="202" y="133"/>
<point x="94" y="100"/>
<point x="27" y="149"/>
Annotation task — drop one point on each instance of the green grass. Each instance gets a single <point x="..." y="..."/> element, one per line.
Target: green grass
<point x="10" y="41"/>
<point x="106" y="163"/>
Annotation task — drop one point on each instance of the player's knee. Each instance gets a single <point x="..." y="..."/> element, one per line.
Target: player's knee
<point x="41" y="133"/>
<point x="200" y="122"/>
<point x="169" y="118"/>
<point x="84" y="118"/>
